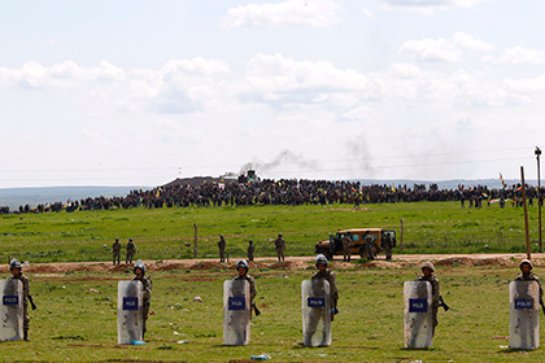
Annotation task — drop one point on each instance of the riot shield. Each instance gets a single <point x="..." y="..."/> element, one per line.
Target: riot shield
<point x="316" y="308"/>
<point x="130" y="313"/>
<point x="523" y="315"/>
<point x="236" y="312"/>
<point x="418" y="315"/>
<point x="11" y="310"/>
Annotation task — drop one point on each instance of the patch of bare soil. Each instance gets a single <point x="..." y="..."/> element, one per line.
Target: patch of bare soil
<point x="171" y="266"/>
<point x="454" y="261"/>
<point x="379" y="264"/>
<point x="495" y="261"/>
<point x="208" y="265"/>
<point x="469" y="261"/>
<point x="291" y="263"/>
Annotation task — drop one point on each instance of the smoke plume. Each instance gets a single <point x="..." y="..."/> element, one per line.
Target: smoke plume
<point x="285" y="157"/>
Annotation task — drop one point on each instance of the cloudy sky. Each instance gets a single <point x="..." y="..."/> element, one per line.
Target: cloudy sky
<point x="141" y="92"/>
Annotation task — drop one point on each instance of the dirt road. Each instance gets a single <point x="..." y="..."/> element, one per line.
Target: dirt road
<point x="291" y="263"/>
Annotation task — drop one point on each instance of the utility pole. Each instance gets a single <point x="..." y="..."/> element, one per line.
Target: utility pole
<point x="526" y="229"/>
<point x="538" y="154"/>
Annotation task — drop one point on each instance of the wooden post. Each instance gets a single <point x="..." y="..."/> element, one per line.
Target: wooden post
<point x="401" y="230"/>
<point x="195" y="240"/>
<point x="526" y="229"/>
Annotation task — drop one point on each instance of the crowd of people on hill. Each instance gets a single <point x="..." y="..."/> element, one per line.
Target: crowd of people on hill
<point x="289" y="192"/>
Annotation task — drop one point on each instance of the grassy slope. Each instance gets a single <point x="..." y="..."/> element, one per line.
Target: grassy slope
<point x="430" y="228"/>
<point x="74" y="323"/>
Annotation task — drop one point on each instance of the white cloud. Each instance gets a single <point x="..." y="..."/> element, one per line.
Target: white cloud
<point x="527" y="85"/>
<point x="444" y="50"/>
<point x="461" y="87"/>
<point x="313" y="13"/>
<point x="197" y="66"/>
<point x="179" y="86"/>
<point x="107" y="72"/>
<point x="517" y="55"/>
<point x="281" y="81"/>
<point x="35" y="75"/>
<point x="405" y="71"/>
<point x="432" y="3"/>
<point x="467" y="41"/>
<point x="428" y="49"/>
<point x="278" y="72"/>
<point x="428" y="7"/>
<point x="184" y="86"/>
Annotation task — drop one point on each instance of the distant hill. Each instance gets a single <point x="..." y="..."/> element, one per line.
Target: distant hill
<point x="197" y="180"/>
<point x="14" y="197"/>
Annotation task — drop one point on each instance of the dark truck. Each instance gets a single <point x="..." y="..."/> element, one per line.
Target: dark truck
<point x="334" y="245"/>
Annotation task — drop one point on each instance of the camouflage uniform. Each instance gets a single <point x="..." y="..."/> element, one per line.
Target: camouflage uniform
<point x="131" y="250"/>
<point x="369" y="253"/>
<point x="435" y="293"/>
<point x="146" y="288"/>
<point x="221" y="247"/>
<point x="116" y="250"/>
<point x="251" y="250"/>
<point x="346" y="248"/>
<point x="387" y="244"/>
<point x="280" y="246"/>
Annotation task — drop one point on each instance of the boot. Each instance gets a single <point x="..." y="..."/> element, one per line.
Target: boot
<point x="25" y="335"/>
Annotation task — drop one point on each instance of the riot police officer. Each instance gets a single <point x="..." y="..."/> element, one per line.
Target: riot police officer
<point x="140" y="275"/>
<point x="16" y="270"/>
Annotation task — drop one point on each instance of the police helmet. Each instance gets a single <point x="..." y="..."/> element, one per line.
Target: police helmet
<point x="526" y="262"/>
<point x="427" y="265"/>
<point x="139" y="264"/>
<point x="14" y="264"/>
<point x="321" y="260"/>
<point x="243" y="264"/>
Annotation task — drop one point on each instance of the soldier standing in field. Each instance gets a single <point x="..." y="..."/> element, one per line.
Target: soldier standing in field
<point x="222" y="244"/>
<point x="16" y="270"/>
<point x="251" y="250"/>
<point x="346" y="240"/>
<point x="116" y="251"/>
<point x="131" y="250"/>
<point x="369" y="253"/>
<point x="140" y="275"/>
<point x="388" y="244"/>
<point x="280" y="246"/>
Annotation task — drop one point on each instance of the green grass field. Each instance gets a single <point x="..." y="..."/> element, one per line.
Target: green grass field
<point x="168" y="233"/>
<point x="75" y="323"/>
